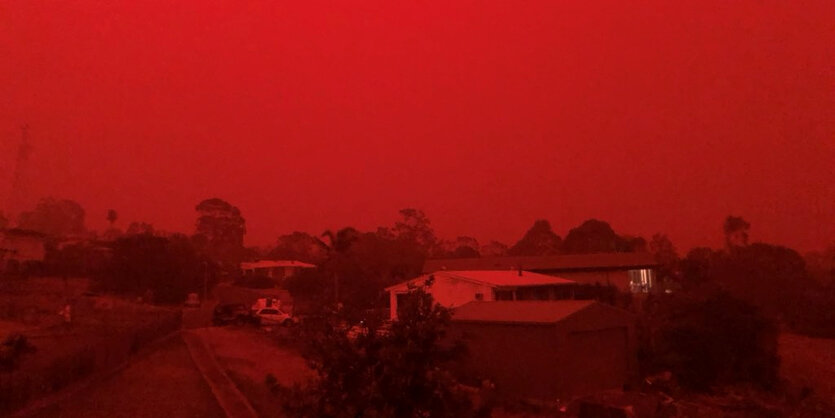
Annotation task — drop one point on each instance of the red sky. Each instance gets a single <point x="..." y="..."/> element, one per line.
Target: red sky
<point x="656" y="116"/>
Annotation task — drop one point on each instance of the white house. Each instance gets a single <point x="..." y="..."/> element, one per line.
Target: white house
<point x="456" y="288"/>
<point x="274" y="269"/>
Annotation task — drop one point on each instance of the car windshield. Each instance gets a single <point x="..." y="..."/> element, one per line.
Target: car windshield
<point x="269" y="312"/>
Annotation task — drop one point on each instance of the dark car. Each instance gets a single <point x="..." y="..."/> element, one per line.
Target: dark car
<point x="231" y="313"/>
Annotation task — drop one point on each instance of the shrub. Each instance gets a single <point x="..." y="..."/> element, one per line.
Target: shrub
<point x="709" y="340"/>
<point x="373" y="373"/>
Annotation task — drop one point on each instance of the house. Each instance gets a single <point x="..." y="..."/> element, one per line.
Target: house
<point x="456" y="288"/>
<point x="21" y="250"/>
<point x="275" y="269"/>
<point x="546" y="350"/>
<point x="633" y="272"/>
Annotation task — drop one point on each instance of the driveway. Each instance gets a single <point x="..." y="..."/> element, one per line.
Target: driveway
<point x="164" y="383"/>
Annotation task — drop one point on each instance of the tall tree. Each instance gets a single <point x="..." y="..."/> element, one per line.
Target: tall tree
<point x="220" y="231"/>
<point x="55" y="217"/>
<point x="736" y="232"/>
<point x="112" y="216"/>
<point x="414" y="226"/>
<point x="665" y="255"/>
<point x="539" y="240"/>
<point x="594" y="236"/>
<point x="140" y="228"/>
<point x="493" y="249"/>
<point x="299" y="246"/>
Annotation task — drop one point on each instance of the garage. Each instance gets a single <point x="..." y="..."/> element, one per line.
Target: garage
<point x="546" y="349"/>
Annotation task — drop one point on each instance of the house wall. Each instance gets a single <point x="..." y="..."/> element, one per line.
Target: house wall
<point x="446" y="291"/>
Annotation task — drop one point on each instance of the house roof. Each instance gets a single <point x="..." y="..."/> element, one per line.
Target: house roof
<point x="518" y="312"/>
<point x="494" y="278"/>
<point x="568" y="262"/>
<point x="275" y="263"/>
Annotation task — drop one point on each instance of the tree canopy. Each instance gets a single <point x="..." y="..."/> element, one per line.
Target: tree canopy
<point x="55" y="217"/>
<point x="540" y="239"/>
<point x="594" y="236"/>
<point x="220" y="231"/>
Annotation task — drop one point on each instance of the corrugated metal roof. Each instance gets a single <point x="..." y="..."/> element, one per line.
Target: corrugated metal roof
<point x="274" y="263"/>
<point x="529" y="312"/>
<point x="494" y="278"/>
<point x="600" y="261"/>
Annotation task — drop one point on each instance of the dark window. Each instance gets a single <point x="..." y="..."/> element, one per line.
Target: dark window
<point x="504" y="295"/>
<point x="479" y="296"/>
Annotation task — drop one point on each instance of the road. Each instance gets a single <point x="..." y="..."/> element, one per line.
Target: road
<point x="163" y="383"/>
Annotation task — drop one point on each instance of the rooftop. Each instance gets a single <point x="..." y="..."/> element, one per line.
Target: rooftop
<point x="528" y="312"/>
<point x="495" y="278"/>
<point x="567" y="262"/>
<point x="275" y="263"/>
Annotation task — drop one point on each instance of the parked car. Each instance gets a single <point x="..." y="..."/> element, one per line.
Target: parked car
<point x="192" y="300"/>
<point x="273" y="316"/>
<point x="231" y="313"/>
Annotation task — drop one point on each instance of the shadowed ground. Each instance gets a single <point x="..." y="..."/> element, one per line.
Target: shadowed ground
<point x="165" y="383"/>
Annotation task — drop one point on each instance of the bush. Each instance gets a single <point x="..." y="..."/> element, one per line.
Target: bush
<point x="12" y="349"/>
<point x="709" y="340"/>
<point x="372" y="373"/>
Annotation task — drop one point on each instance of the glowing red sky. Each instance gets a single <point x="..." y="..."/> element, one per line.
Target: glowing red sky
<point x="657" y="117"/>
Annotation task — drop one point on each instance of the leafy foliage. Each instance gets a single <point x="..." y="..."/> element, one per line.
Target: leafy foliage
<point x="55" y="217"/>
<point x="539" y="240"/>
<point x="168" y="267"/>
<point x="709" y="339"/>
<point x="594" y="236"/>
<point x="400" y="373"/>
<point x="220" y="231"/>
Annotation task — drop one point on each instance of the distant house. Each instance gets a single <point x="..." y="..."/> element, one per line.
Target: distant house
<point x="274" y="269"/>
<point x="456" y="288"/>
<point x="633" y="272"/>
<point x="546" y="350"/>
<point x="21" y="250"/>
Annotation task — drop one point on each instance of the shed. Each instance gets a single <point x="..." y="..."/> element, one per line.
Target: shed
<point x="547" y="349"/>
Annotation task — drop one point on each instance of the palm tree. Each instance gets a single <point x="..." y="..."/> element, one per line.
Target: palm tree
<point x="337" y="245"/>
<point x="111" y="217"/>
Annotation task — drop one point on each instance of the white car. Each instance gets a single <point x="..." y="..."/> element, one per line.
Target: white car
<point x="273" y="316"/>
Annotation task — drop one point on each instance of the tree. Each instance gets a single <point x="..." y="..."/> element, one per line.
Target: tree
<point x="539" y="240"/>
<point x="169" y="267"/>
<point x="414" y="226"/>
<point x="299" y="246"/>
<point x="709" y="339"/>
<point x="54" y="217"/>
<point x="594" y="236"/>
<point x="342" y="240"/>
<point x="493" y="249"/>
<point x="140" y="228"/>
<point x="770" y="277"/>
<point x="112" y="216"/>
<point x="401" y="373"/>
<point x="220" y="231"/>
<point x="461" y="247"/>
<point x="665" y="255"/>
<point x="736" y="232"/>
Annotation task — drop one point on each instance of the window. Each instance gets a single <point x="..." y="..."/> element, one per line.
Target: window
<point x="504" y="295"/>
<point x="479" y="296"/>
<point x="641" y="281"/>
